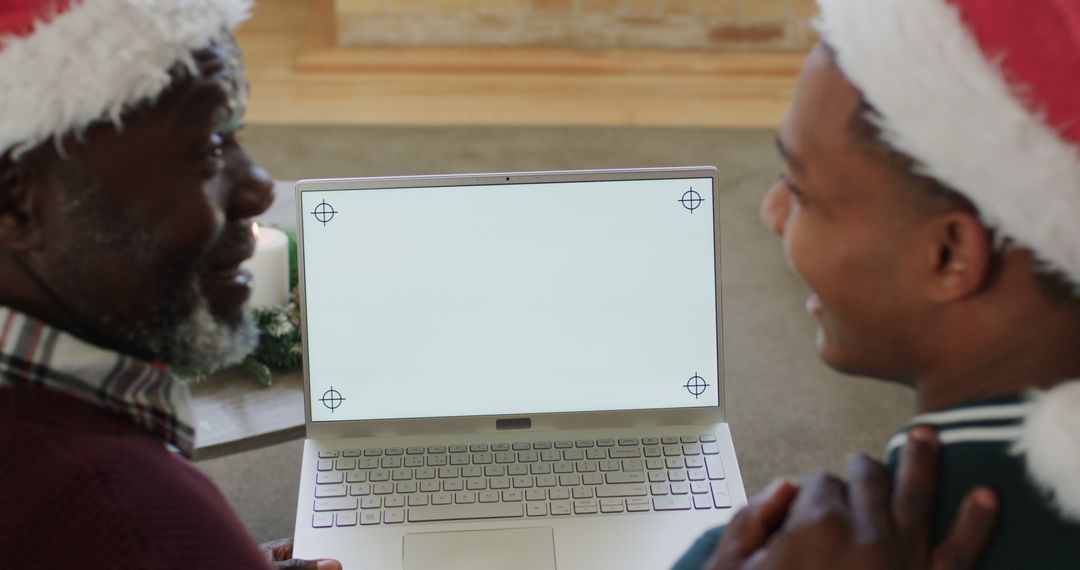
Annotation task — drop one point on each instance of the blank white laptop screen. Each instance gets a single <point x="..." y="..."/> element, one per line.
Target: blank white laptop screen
<point x="510" y="299"/>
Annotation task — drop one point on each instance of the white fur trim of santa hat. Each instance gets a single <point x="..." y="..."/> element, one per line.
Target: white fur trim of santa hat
<point x="1050" y="442"/>
<point x="942" y="102"/>
<point x="98" y="58"/>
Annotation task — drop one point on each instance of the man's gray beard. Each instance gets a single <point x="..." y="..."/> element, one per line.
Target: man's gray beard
<point x="203" y="343"/>
<point x="180" y="329"/>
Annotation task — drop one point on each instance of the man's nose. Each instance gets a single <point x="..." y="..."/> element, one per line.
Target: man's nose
<point x="774" y="208"/>
<point x="252" y="191"/>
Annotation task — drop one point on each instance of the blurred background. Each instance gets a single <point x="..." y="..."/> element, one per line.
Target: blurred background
<point x="394" y="87"/>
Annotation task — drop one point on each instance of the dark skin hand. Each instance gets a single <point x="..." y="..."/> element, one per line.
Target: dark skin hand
<point x="867" y="523"/>
<point x="280" y="554"/>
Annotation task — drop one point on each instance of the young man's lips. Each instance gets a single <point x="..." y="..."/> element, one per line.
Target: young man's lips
<point x="813" y="304"/>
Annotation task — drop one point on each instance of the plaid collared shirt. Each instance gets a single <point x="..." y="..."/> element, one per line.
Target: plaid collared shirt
<point x="33" y="353"/>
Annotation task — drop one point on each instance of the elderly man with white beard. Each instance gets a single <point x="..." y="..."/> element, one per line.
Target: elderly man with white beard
<point x="125" y="212"/>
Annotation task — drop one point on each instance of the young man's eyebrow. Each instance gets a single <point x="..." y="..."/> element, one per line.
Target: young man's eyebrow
<point x="795" y="163"/>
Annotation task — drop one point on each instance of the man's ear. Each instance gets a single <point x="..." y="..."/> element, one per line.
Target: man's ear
<point x="19" y="226"/>
<point x="959" y="256"/>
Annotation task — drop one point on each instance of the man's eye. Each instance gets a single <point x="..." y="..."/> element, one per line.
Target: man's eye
<point x="214" y="143"/>
<point x="212" y="154"/>
<point x="791" y="188"/>
<point x="224" y="140"/>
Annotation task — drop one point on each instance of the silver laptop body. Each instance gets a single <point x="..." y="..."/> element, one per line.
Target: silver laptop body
<point x="512" y="370"/>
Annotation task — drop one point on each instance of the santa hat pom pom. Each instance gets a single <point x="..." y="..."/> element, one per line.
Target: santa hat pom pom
<point x="1050" y="440"/>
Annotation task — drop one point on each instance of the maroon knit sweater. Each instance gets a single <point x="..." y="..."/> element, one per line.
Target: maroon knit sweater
<point x="80" y="488"/>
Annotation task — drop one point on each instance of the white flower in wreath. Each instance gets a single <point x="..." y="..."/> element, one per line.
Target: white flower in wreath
<point x="279" y="325"/>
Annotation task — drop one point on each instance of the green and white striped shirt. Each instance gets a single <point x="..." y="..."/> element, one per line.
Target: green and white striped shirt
<point x="977" y="449"/>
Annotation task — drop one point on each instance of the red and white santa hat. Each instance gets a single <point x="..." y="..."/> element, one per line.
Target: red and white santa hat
<point x="984" y="95"/>
<point x="65" y="64"/>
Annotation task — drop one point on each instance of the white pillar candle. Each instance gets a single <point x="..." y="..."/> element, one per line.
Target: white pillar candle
<point x="269" y="268"/>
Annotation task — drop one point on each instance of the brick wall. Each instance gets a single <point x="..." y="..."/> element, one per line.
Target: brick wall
<point x="646" y="24"/>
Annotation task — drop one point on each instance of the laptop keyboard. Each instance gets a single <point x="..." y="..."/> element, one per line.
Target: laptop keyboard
<point x="395" y="485"/>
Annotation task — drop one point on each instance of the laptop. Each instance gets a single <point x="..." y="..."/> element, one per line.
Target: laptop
<point x="513" y="370"/>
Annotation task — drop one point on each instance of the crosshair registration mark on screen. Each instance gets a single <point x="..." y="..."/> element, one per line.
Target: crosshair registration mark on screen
<point x="691" y="200"/>
<point x="324" y="212"/>
<point x="696" y="385"/>
<point x="332" y="399"/>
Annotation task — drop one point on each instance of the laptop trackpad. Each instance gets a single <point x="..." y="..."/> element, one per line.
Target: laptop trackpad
<point x="518" y="548"/>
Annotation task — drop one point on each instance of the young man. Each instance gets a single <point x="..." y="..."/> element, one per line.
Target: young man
<point x="933" y="183"/>
<point x="125" y="212"/>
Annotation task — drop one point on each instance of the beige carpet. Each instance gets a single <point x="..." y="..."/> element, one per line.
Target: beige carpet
<point x="789" y="414"/>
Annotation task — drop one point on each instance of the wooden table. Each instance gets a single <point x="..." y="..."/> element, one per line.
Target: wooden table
<point x="234" y="413"/>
